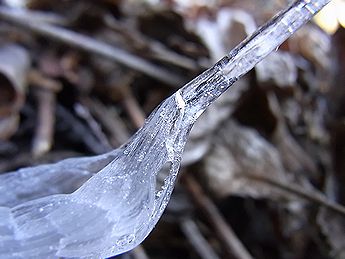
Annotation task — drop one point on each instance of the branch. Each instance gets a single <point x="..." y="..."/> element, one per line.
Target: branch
<point x="22" y="18"/>
<point x="318" y="198"/>
<point x="233" y="245"/>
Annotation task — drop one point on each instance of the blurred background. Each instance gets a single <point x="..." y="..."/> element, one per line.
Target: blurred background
<point x="263" y="174"/>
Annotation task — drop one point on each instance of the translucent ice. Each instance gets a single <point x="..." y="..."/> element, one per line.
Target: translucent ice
<point x="119" y="204"/>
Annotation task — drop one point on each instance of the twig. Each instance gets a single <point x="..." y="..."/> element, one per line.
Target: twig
<point x="43" y="16"/>
<point x="131" y="106"/>
<point x="36" y="78"/>
<point x="90" y="45"/>
<point x="77" y="131"/>
<point x="318" y="198"/>
<point x="159" y="51"/>
<point x="46" y="119"/>
<point x="46" y="97"/>
<point x="192" y="232"/>
<point x="232" y="244"/>
<point x="134" y="111"/>
<point x="84" y="112"/>
<point x="111" y="121"/>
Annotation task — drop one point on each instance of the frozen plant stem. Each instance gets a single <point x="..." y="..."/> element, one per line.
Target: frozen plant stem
<point x="118" y="207"/>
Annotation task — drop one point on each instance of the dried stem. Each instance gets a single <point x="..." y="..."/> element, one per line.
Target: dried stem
<point x="315" y="197"/>
<point x="43" y="139"/>
<point x="233" y="245"/>
<point x="115" y="126"/>
<point x="25" y="20"/>
<point x="201" y="246"/>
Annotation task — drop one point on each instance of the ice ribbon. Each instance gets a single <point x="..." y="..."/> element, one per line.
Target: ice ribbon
<point x="118" y="207"/>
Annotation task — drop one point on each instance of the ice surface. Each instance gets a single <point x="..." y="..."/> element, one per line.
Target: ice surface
<point x="119" y="204"/>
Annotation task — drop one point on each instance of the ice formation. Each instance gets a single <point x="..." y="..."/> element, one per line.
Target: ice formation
<point x="119" y="204"/>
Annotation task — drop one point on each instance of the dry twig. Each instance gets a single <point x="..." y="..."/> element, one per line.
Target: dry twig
<point x="90" y="45"/>
<point x="111" y="122"/>
<point x="294" y="189"/>
<point x="46" y="98"/>
<point x="192" y="232"/>
<point x="232" y="244"/>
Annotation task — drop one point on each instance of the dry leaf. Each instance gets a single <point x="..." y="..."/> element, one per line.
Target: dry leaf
<point x="278" y="68"/>
<point x="237" y="154"/>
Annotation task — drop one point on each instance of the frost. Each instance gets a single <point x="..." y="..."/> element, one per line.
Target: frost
<point x="119" y="204"/>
